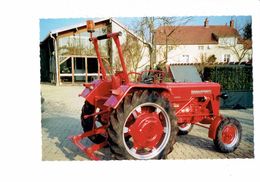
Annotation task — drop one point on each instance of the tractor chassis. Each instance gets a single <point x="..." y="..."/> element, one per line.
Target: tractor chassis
<point x="89" y="151"/>
<point x="193" y="103"/>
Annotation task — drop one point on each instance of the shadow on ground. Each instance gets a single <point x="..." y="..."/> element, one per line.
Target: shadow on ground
<point x="197" y="141"/>
<point x="59" y="128"/>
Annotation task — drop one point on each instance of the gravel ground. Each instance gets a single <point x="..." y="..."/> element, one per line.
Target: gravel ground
<point x="60" y="119"/>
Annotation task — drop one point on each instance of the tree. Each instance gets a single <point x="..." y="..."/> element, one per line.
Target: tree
<point x="133" y="51"/>
<point x="205" y="61"/>
<point x="239" y="47"/>
<point x="247" y="31"/>
<point x="240" y="50"/>
<point x="146" y="29"/>
<point x="72" y="46"/>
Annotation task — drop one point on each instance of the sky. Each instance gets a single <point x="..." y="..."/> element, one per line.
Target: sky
<point x="47" y="25"/>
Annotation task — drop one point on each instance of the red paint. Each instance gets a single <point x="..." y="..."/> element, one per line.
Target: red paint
<point x="89" y="151"/>
<point x="183" y="125"/>
<point x="147" y="130"/>
<point x="214" y="126"/>
<point x="228" y="134"/>
<point x="117" y="42"/>
<point x="103" y="71"/>
<point x="195" y="103"/>
<point x="96" y="113"/>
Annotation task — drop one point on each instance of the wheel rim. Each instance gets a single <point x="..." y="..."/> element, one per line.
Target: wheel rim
<point x="184" y="126"/>
<point x="146" y="131"/>
<point x="230" y="135"/>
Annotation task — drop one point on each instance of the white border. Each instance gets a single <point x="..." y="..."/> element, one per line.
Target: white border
<point x="20" y="96"/>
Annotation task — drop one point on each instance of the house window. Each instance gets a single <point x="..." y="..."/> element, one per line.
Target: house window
<point x="170" y="47"/>
<point x="227" y="41"/>
<point x="185" y="58"/>
<point x="80" y="63"/>
<point x="201" y="47"/>
<point x="226" y="58"/>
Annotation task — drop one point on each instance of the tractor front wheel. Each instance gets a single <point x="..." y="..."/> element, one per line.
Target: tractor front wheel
<point x="89" y="124"/>
<point x="142" y="127"/>
<point x="184" y="128"/>
<point x="228" y="135"/>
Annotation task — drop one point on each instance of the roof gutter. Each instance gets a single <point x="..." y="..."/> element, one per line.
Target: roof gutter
<point x="56" y="59"/>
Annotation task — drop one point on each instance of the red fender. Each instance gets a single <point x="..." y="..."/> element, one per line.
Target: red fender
<point x="118" y="94"/>
<point x="214" y="126"/>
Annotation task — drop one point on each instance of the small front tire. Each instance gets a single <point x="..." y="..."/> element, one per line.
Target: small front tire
<point x="228" y="135"/>
<point x="185" y="128"/>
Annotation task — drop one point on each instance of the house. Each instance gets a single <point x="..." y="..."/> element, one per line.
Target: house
<point x="67" y="56"/>
<point x="200" y="44"/>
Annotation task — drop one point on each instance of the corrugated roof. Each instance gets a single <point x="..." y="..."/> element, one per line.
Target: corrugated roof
<point x="190" y="35"/>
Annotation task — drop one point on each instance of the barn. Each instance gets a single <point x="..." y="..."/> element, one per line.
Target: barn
<point x="67" y="56"/>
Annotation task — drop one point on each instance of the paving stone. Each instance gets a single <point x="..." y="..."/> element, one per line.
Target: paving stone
<point x="61" y="119"/>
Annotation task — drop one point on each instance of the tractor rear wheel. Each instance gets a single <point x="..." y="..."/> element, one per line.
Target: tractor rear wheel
<point x="228" y="135"/>
<point x="185" y="128"/>
<point x="88" y="124"/>
<point x="142" y="127"/>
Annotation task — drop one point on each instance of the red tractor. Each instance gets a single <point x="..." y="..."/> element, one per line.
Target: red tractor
<point x="140" y="120"/>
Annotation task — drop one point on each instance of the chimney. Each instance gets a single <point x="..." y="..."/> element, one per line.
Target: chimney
<point x="206" y="23"/>
<point x="232" y="23"/>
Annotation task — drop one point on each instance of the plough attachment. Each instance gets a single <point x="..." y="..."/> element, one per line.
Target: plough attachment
<point x="89" y="151"/>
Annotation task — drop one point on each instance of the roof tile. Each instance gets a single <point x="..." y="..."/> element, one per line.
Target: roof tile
<point x="190" y="35"/>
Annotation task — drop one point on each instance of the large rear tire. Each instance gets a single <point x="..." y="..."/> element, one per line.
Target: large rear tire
<point x="88" y="124"/>
<point x="142" y="127"/>
<point x="228" y="135"/>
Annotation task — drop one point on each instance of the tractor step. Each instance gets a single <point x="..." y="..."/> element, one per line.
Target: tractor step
<point x="89" y="151"/>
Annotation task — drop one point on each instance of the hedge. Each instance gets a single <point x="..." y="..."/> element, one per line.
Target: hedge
<point x="231" y="77"/>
